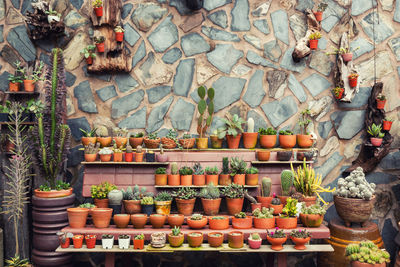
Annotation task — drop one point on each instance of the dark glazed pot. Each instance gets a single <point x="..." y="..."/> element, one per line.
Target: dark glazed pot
<point x="284" y="155"/>
<point x="305" y="155"/>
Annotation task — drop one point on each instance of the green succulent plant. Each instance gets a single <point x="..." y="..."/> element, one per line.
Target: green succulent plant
<point x="233" y="126"/>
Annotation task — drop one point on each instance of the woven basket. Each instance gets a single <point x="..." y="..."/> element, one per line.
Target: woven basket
<point x="151" y="143"/>
<point x="168" y="143"/>
<point x="187" y="143"/>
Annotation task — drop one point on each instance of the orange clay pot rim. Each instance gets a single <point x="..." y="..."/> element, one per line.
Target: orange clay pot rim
<point x="235" y="232"/>
<point x="176" y="215"/>
<point x="78" y="209"/>
<point x="53" y="190"/>
<point x="138" y="215"/>
<point x="124" y="215"/>
<point x="214" y="233"/>
<point x="191" y="234"/>
<point x="157" y="215"/>
<point x="102" y="209"/>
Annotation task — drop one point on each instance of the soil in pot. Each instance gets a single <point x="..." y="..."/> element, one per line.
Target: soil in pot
<point x="250" y="140"/>
<point x="132" y="206"/>
<point x="175" y="220"/>
<point x="138" y="220"/>
<point x="264" y="223"/>
<point x="234" y="205"/>
<point x="233" y="141"/>
<point x="195" y="239"/>
<point x="235" y="239"/>
<point x="300" y="242"/>
<point x="174" y="179"/>
<point x="242" y="223"/>
<point x="267" y="141"/>
<point x="286" y="222"/>
<point x="199" y="179"/>
<point x="77" y="217"/>
<point x="239" y="179"/>
<point x="176" y="240"/>
<point x="215" y="239"/>
<point x="304" y="141"/>
<point x="121" y="220"/>
<point x="211" y="206"/>
<point x="101" y="217"/>
<point x="185" y="206"/>
<point x="276" y="243"/>
<point x="157" y="220"/>
<point x="197" y="224"/>
<point x="263" y="155"/>
<point x="311" y="220"/>
<point x="219" y="222"/>
<point x="287" y="141"/>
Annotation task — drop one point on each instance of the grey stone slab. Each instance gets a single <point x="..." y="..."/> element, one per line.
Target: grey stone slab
<point x="332" y="15"/>
<point x="329" y="164"/>
<point x="157" y="114"/>
<point x="27" y="6"/>
<point x="2" y="9"/>
<point x="394" y="44"/>
<point x="348" y="123"/>
<point x="76" y="3"/>
<point x="227" y="91"/>
<point x="262" y="9"/>
<point x="18" y="38"/>
<point x="382" y="30"/>
<point x="164" y="36"/>
<point x="256" y="59"/>
<point x="255" y="90"/>
<point x="69" y="79"/>
<point x="359" y="100"/>
<point x="181" y="115"/>
<point x="262" y="25"/>
<point x="172" y="55"/>
<point x="280" y="24"/>
<point x="296" y="88"/>
<point x="125" y="82"/>
<point x="4" y="81"/>
<point x="391" y="161"/>
<point x="147" y="14"/>
<point x="184" y="77"/>
<point x="253" y="40"/>
<point x="123" y="105"/>
<point x="278" y="112"/>
<point x="396" y="16"/>
<point x="380" y="178"/>
<point x="219" y="18"/>
<point x="126" y="10"/>
<point x="181" y="7"/>
<point x="316" y="84"/>
<point x="84" y="95"/>
<point x="322" y="43"/>
<point x="224" y="57"/>
<point x="240" y="16"/>
<point x="363" y="47"/>
<point x="104" y="77"/>
<point x="321" y="62"/>
<point x="272" y="50"/>
<point x="157" y="93"/>
<point x="135" y="121"/>
<point x="1" y="33"/>
<point x="219" y="35"/>
<point x="288" y="63"/>
<point x="298" y="25"/>
<point x="193" y="44"/>
<point x="139" y="55"/>
<point x="75" y="157"/>
<point x="324" y="128"/>
<point x="131" y="36"/>
<point x="106" y="93"/>
<point x="74" y="20"/>
<point x="213" y="4"/>
<point x="360" y="6"/>
<point x="302" y="5"/>
<point x="76" y="124"/>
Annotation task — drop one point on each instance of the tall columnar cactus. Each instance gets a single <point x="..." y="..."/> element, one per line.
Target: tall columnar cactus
<point x="205" y="121"/>
<point x="287" y="178"/>
<point x="250" y="125"/>
<point x="50" y="136"/>
<point x="174" y="168"/>
<point x="266" y="184"/>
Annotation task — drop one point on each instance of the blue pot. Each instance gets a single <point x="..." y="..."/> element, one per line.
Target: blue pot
<point x="147" y="209"/>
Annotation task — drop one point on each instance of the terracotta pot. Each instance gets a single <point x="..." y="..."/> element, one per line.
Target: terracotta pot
<point x="160" y="179"/>
<point x="216" y="143"/>
<point x="135" y="141"/>
<point x="118" y="157"/>
<point x="239" y="179"/>
<point x="185" y="206"/>
<point x="255" y="206"/>
<point x="276" y="243"/>
<point x="138" y="220"/>
<point x="211" y="206"/>
<point x="101" y="217"/>
<point x="218" y="224"/>
<point x="199" y="179"/>
<point x="105" y="157"/>
<point x="305" y="155"/>
<point x="318" y="15"/>
<point x="90" y="241"/>
<point x="121" y="220"/>
<point x="252" y="179"/>
<point x="168" y="143"/>
<point x="242" y="223"/>
<point x="310" y="200"/>
<point x="234" y="205"/>
<point x="353" y="210"/>
<point x="104" y="141"/>
<point x="98" y="11"/>
<point x="120" y="141"/>
<point x="147" y="209"/>
<point x="304" y="140"/>
<point x="101" y="203"/>
<point x="78" y="241"/>
<point x="254" y="244"/>
<point x="311" y="220"/>
<point x="174" y="179"/>
<point x="163" y="207"/>
<point x="77" y="217"/>
<point x="267" y="141"/>
<point x="29" y="86"/>
<point x="100" y="47"/>
<point x="119" y="36"/>
<point x="283" y="199"/>
<point x="151" y="143"/>
<point x="186" y="180"/>
<point x="13" y="87"/>
<point x="250" y="140"/>
<point x="138" y="243"/>
<point x="380" y="104"/>
<point x="300" y="242"/>
<point x="264" y="223"/>
<point x="215" y="239"/>
<point x="376" y="141"/>
<point x="339" y="94"/>
<point x="212" y="178"/>
<point x="353" y="82"/>
<point x="233" y="141"/>
<point x="387" y="125"/>
<point x="347" y="57"/>
<point x="89" y="60"/>
<point x="132" y="206"/>
<point x="197" y="224"/>
<point x="235" y="239"/>
<point x="202" y="143"/>
<point x="313" y="44"/>
<point x="284" y="155"/>
<point x="53" y="193"/>
<point x="66" y="243"/>
<point x="157" y="220"/>
<point x="286" y="223"/>
<point x="90" y="157"/>
<point x="88" y="140"/>
<point x="175" y="220"/>
<point x="363" y="264"/>
<point x="265" y="201"/>
<point x="176" y="241"/>
<point x="187" y="143"/>
<point x="287" y="141"/>
<point x="263" y="155"/>
<point x="139" y="157"/>
<point x="225" y="179"/>
<point x="195" y="240"/>
<point x="162" y="157"/>
<point x="128" y="157"/>
<point x="277" y="208"/>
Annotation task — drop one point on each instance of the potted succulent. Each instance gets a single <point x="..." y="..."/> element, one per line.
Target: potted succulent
<point x="276" y="238"/>
<point x="176" y="237"/>
<point x="210" y="199"/>
<point x="124" y="241"/>
<point x="120" y="136"/>
<point x="252" y="176"/>
<point x="235" y="239"/>
<point x="288" y="217"/>
<point x="161" y="176"/>
<point x="287" y="179"/>
<point x="90" y="152"/>
<point x="101" y="217"/>
<point x="312" y="216"/>
<point x="276" y="205"/>
<point x="354" y="198"/>
<point x="61" y="189"/>
<point x="152" y="140"/>
<point x="138" y="241"/>
<point x="77" y="241"/>
<point x="174" y="177"/>
<point x="287" y="139"/>
<point x="267" y="137"/>
<point x="99" y="41"/>
<point x="147" y="204"/>
<point x="162" y="157"/>
<point x="367" y="254"/>
<point x="117" y="153"/>
<point x="149" y="155"/>
<point x="128" y="153"/>
<point x="162" y="202"/>
<point x="187" y="141"/>
<point x="136" y="139"/>
<point x="376" y="134"/>
<point x="218" y="222"/>
<point x="88" y="136"/>
<point x="204" y="121"/>
<point x="380" y="101"/>
<point x="157" y="220"/>
<point x="232" y="130"/>
<point x="105" y="154"/>
<point x="185" y="198"/>
<point x="170" y="141"/>
<point x="212" y="175"/>
<point x="90" y="241"/>
<point x="304" y="138"/>
<point x="195" y="239"/>
<point x="215" y="239"/>
<point x="131" y="199"/>
<point x="175" y="220"/>
<point x="263" y="219"/>
<point x="31" y="75"/>
<point x="186" y="175"/>
<point x="199" y="177"/>
<point x="119" y="33"/>
<point x="138" y="220"/>
<point x="107" y="241"/>
<point x="234" y="194"/>
<point x="89" y="54"/>
<point x="300" y="238"/>
<point x="353" y="79"/>
<point x="216" y="142"/>
<point x="250" y="137"/>
<point x="121" y="220"/>
<point x="345" y="52"/>
<point x="238" y="170"/>
<point x="225" y="177"/>
<point x="387" y="124"/>
<point x="100" y="193"/>
<point x="65" y="239"/>
<point x="242" y="221"/>
<point x="196" y="221"/>
<point x="139" y="154"/>
<point x="265" y="190"/>
<point x="158" y="239"/>
<point x="77" y="217"/>
<point x="313" y="40"/>
<point x="52" y="15"/>
<point x="103" y="137"/>
<point x="98" y="7"/>
<point x="254" y="241"/>
<point x="15" y="79"/>
<point x="320" y="11"/>
<point x="338" y="92"/>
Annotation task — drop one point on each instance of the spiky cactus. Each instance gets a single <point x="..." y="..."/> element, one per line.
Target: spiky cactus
<point x="286" y="181"/>
<point x="203" y="123"/>
<point x="174" y="168"/>
<point x="250" y="125"/>
<point x="50" y="136"/>
<point x="266" y="185"/>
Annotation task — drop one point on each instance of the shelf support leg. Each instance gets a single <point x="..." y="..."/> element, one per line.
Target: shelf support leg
<point x="110" y="260"/>
<point x="282" y="259"/>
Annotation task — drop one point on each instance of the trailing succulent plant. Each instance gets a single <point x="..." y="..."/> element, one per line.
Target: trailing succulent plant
<point x="287" y="178"/>
<point x="135" y="194"/>
<point x="355" y="186"/>
<point x="264" y="213"/>
<point x="290" y="209"/>
<point x="268" y="131"/>
<point x="198" y="169"/>
<point x="266" y="185"/>
<point x="209" y="192"/>
<point x="161" y="170"/>
<point x="313" y="209"/>
<point x="367" y="252"/>
<point x="163" y="196"/>
<point x="300" y="233"/>
<point x="238" y="166"/>
<point x="185" y="193"/>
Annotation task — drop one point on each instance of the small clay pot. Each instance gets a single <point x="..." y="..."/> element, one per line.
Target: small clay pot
<point x="284" y="155"/>
<point x="305" y="155"/>
<point x="211" y="206"/>
<point x="225" y="179"/>
<point x="252" y="179"/>
<point x="242" y="223"/>
<point x="163" y="207"/>
<point x="309" y="201"/>
<point x="161" y="179"/>
<point x="175" y="220"/>
<point x="87" y="140"/>
<point x="277" y="208"/>
<point x="139" y="220"/>
<point x="101" y="203"/>
<point x="78" y="241"/>
<point x="187" y="143"/>
<point x="265" y="201"/>
<point x="90" y="157"/>
<point x="195" y="239"/>
<point x="304" y="140"/>
<point x="376" y="141"/>
<point x="264" y="223"/>
<point x="197" y="224"/>
<point x="234" y="205"/>
<point x="286" y="222"/>
<point x="174" y="179"/>
<point x="104" y="141"/>
<point x="120" y="141"/>
<point x="132" y="206"/>
<point x="101" y="217"/>
<point x="202" y="143"/>
<point x="176" y="241"/>
<point x="215" y="239"/>
<point x="139" y="157"/>
<point x="255" y="206"/>
<point x="311" y="220"/>
<point x="287" y="141"/>
<point x="185" y="206"/>
<point x="233" y="141"/>
<point x="250" y="140"/>
<point x="216" y="143"/>
<point x="151" y="143"/>
<point x="128" y="156"/>
<point x="218" y="224"/>
<point x="186" y="180"/>
<point x="138" y="243"/>
<point x="263" y="155"/>
<point x="105" y="157"/>
<point x="239" y="179"/>
<point x="235" y="239"/>
<point x="318" y="15"/>
<point x="157" y="220"/>
<point x="135" y="141"/>
<point x="254" y="244"/>
<point x="90" y="241"/>
<point x="212" y="178"/>
<point x="267" y="141"/>
<point x="300" y="242"/>
<point x="118" y="157"/>
<point x="276" y="243"/>
<point x="121" y="220"/>
<point x="77" y="217"/>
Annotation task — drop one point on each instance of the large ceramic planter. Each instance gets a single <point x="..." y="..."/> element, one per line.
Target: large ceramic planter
<point x="219" y="224"/>
<point x="195" y="239"/>
<point x="264" y="223"/>
<point x="197" y="224"/>
<point x="199" y="179"/>
<point x="250" y="140"/>
<point x="215" y="239"/>
<point x="225" y="179"/>
<point x="121" y="220"/>
<point x="287" y="141"/>
<point x="186" y="180"/>
<point x="252" y="179"/>
<point x="254" y="244"/>
<point x="135" y="141"/>
<point x="185" y="206"/>
<point x="233" y="141"/>
<point x="239" y="179"/>
<point x="211" y="206"/>
<point x="277" y="208"/>
<point x="242" y="223"/>
<point x="53" y="193"/>
<point x="286" y="223"/>
<point x="138" y="220"/>
<point x="353" y="210"/>
<point x="276" y="243"/>
<point x="157" y="220"/>
<point x="104" y="141"/>
<point x="175" y="220"/>
<point x="216" y="143"/>
<point x="263" y="155"/>
<point x="235" y="239"/>
<point x="77" y="217"/>
<point x="234" y="205"/>
<point x="88" y="140"/>
<point x="132" y="206"/>
<point x="187" y="143"/>
<point x="161" y="179"/>
<point x="300" y="242"/>
<point x="148" y="209"/>
<point x="212" y="178"/>
<point x="163" y="207"/>
<point x="101" y="217"/>
<point x="267" y="141"/>
<point x="311" y="220"/>
<point x="304" y="140"/>
<point x="265" y="201"/>
<point x="202" y="143"/>
<point x="176" y="240"/>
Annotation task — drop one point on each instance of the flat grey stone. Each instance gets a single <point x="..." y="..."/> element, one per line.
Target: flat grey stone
<point x="278" y="112"/>
<point x="16" y="3"/>
<point x="359" y="100"/>
<point x="329" y="164"/>
<point x="181" y="7"/>
<point x="153" y="72"/>
<point x="219" y="18"/>
<point x="172" y="55"/>
<point x="69" y="79"/>
<point x="121" y="106"/>
<point x="213" y="4"/>
<point x="131" y="36"/>
<point x="394" y="44"/>
<point x="104" y="77"/>
<point x="316" y="84"/>
<point x="164" y="36"/>
<point x="217" y="123"/>
<point x="135" y="121"/>
<point x="184" y="77"/>
<point x="8" y="54"/>
<point x="380" y="178"/>
<point x="2" y="9"/>
<point x="139" y="55"/>
<point x="76" y="3"/>
<point x="391" y="161"/>
<point x="241" y="70"/>
<point x="383" y="67"/>
<point x="256" y="59"/>
<point x="18" y="38"/>
<point x="281" y="26"/>
<point x="320" y="107"/>
<point x="157" y="114"/>
<point x="304" y="4"/>
<point x="321" y="62"/>
<point x="262" y="25"/>
<point x="4" y="81"/>
<point x="348" y="123"/>
<point x="240" y="16"/>
<point x="331" y="144"/>
<point x="181" y="115"/>
<point x="106" y="93"/>
<point x="13" y="17"/>
<point x="360" y="6"/>
<point x="83" y="93"/>
<point x="298" y="24"/>
<point x="126" y="9"/>
<point x="324" y="128"/>
<point x="272" y="50"/>
<point x="296" y="88"/>
<point x="396" y="16"/>
<point x="193" y="44"/>
<point x="382" y="30"/>
<point x="253" y="40"/>
<point x="364" y="47"/>
<point x="1" y="33"/>
<point x="76" y="124"/>
<point x="74" y="158"/>
<point x="288" y="63"/>
<point x="255" y="90"/>
<point x="45" y="58"/>
<point x="157" y="93"/>
<point x="147" y="14"/>
<point x="387" y="5"/>
<point x="262" y="10"/>
<point x="277" y="83"/>
<point x="74" y="20"/>
<point x="224" y="57"/>
<point x="125" y="82"/>
<point x="333" y="13"/>
<point x="219" y="35"/>
<point x="227" y="91"/>
<point x="322" y="43"/>
<point x="259" y="121"/>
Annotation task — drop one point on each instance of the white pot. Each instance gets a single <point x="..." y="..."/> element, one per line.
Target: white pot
<point x="124" y="243"/>
<point x="51" y="18"/>
<point x="107" y="243"/>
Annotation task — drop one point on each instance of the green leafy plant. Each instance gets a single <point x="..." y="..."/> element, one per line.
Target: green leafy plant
<point x="137" y="135"/>
<point x="353" y="75"/>
<point x="88" y="133"/>
<point x="153" y="136"/>
<point x="16" y="261"/>
<point x="315" y="36"/>
<point x="225" y="165"/>
<point x="238" y="166"/>
<point x="252" y="170"/>
<point x="285" y="132"/>
<point x="161" y="170"/>
<point x="18" y="75"/>
<point x="268" y="131"/>
<point x="204" y="121"/>
<point x="210" y="192"/>
<point x="300" y="233"/>
<point x="376" y="130"/>
<point x="380" y="96"/>
<point x="277" y="234"/>
<point x="61" y="185"/>
<point x="147" y="201"/>
<point x="367" y="252"/>
<point x="185" y="170"/>
<point x="314" y="209"/>
<point x="240" y="215"/>
<point x="101" y="191"/>
<point x="6" y="107"/>
<point x="163" y="196"/>
<point x="234" y="191"/>
<point x="233" y="126"/>
<point x="45" y="187"/>
<point x="32" y="72"/>
<point x="196" y="217"/>
<point x="135" y="194"/>
<point x="255" y="236"/>
<point x="119" y="29"/>
<point x="212" y="170"/>
<point x="186" y="136"/>
<point x="97" y="3"/>
<point x="290" y="209"/>
<point x="87" y="206"/>
<point x="34" y="106"/>
<point x="99" y="39"/>
<point x="337" y="91"/>
<point x="89" y="51"/>
<point x="185" y="193"/>
<point x="264" y="213"/>
<point x="198" y="169"/>
<point x="304" y="121"/>
<point x="266" y="185"/>
<point x="342" y="50"/>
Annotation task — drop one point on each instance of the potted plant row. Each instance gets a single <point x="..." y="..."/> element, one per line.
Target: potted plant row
<point x="27" y="75"/>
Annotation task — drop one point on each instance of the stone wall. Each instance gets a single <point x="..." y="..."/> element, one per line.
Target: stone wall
<point x="241" y="48"/>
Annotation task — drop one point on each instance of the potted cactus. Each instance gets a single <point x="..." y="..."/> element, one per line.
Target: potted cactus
<point x="235" y="239"/>
<point x="90" y="241"/>
<point x="215" y="239"/>
<point x="98" y="7"/>
<point x="232" y="130"/>
<point x="139" y="154"/>
<point x="287" y="178"/>
<point x="195" y="239"/>
<point x="77" y="240"/>
<point x="320" y="11"/>
<point x="138" y="241"/>
<point x="304" y="138"/>
<point x="313" y="40"/>
<point x="212" y="175"/>
<point x="100" y="194"/>
<point x="186" y="175"/>
<point x="120" y="136"/>
<point x="119" y="33"/>
<point x="117" y="153"/>
<point x="219" y="222"/>
<point x="216" y="142"/>
<point x="163" y="202"/>
<point x="300" y="238"/>
<point x="210" y="199"/>
<point x="338" y="92"/>
<point x="375" y="131"/>
<point x="105" y="154"/>
<point x="252" y="176"/>
<point x="128" y="153"/>
<point x="157" y="220"/>
<point x="65" y="239"/>
<point x="250" y="137"/>
<point x="276" y="238"/>
<point x="89" y="54"/>
<point x="288" y="217"/>
<point x="176" y="237"/>
<point x="366" y="254"/>
<point x="238" y="170"/>
<point x="147" y="204"/>
<point x="107" y="241"/>
<point x="185" y="198"/>
<point x="174" y="178"/>
<point x="187" y="141"/>
<point x="267" y="137"/>
<point x="204" y="121"/>
<point x="103" y="137"/>
<point x="263" y="219"/>
<point x="199" y="177"/>
<point x="196" y="221"/>
<point x="353" y="79"/>
<point x="91" y="152"/>
<point x="170" y="141"/>
<point x="152" y="140"/>
<point x="380" y="101"/>
<point x="131" y="199"/>
<point x="99" y="41"/>
<point x="276" y="205"/>
<point x="387" y="124"/>
<point x="224" y="176"/>
<point x="242" y="221"/>
<point x="136" y="139"/>
<point x="161" y="176"/>
<point x="234" y="194"/>
<point x="265" y="191"/>
<point x="124" y="241"/>
<point x="254" y="241"/>
<point x="312" y="216"/>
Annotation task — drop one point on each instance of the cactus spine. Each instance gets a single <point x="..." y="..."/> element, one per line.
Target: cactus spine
<point x="203" y="123"/>
<point x="174" y="168"/>
<point x="266" y="184"/>
<point x="286" y="181"/>
<point x="250" y="125"/>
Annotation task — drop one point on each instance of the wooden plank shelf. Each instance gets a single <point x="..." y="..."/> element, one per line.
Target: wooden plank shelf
<point x="197" y="186"/>
<point x="125" y="163"/>
<point x="271" y="162"/>
<point x="233" y="150"/>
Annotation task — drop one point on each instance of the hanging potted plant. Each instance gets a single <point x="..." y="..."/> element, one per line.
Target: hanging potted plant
<point x="265" y="190"/>
<point x="102" y="136"/>
<point x="235" y="239"/>
<point x="215" y="239"/>
<point x="210" y="199"/>
<point x="99" y="41"/>
<point x="199" y="177"/>
<point x="176" y="237"/>
<point x="152" y="140"/>
<point x="357" y="253"/>
<point x="124" y="241"/>
<point x="313" y="40"/>
<point x="88" y="136"/>
<point x="250" y="137"/>
<point x="107" y="241"/>
<point x="242" y="221"/>
<point x="219" y="222"/>
<point x="238" y="171"/>
<point x="312" y="216"/>
<point x="136" y="139"/>
<point x="185" y="198"/>
<point x="300" y="238"/>
<point x="320" y="11"/>
<point x="90" y="241"/>
<point x="338" y="92"/>
<point x="187" y="141"/>
<point x="288" y="217"/>
<point x="170" y="141"/>
<point x="345" y="52"/>
<point x="195" y="239"/>
<point x="161" y="176"/>
<point x="157" y="220"/>
<point x="263" y="219"/>
<point x="105" y="154"/>
<point x="163" y="202"/>
<point x="186" y="175"/>
<point x="216" y="142"/>
<point x="267" y="137"/>
<point x="376" y="134"/>
<point x="380" y="101"/>
<point x="131" y="198"/>
<point x="353" y="79"/>
<point x="224" y="177"/>
<point x="31" y="75"/>
<point x="287" y="177"/>
<point x="98" y="7"/>
<point x="287" y="139"/>
<point x="77" y="241"/>
<point x="252" y="176"/>
<point x="387" y="124"/>
<point x="212" y="175"/>
<point x="254" y="241"/>
<point x="100" y="194"/>
<point x="15" y="79"/>
<point x="234" y="194"/>
<point x="204" y="121"/>
<point x="276" y="205"/>
<point x="147" y="204"/>
<point x="174" y="178"/>
<point x="276" y="238"/>
<point x="175" y="220"/>
<point x="89" y="54"/>
<point x="119" y="34"/>
<point x="232" y="130"/>
<point x="139" y="154"/>
<point x="196" y="221"/>
<point x="304" y="138"/>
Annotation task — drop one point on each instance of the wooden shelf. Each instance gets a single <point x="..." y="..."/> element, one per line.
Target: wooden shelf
<point x="125" y="163"/>
<point x="22" y="93"/>
<point x="270" y="162"/>
<point x="198" y="186"/>
<point x="234" y="150"/>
